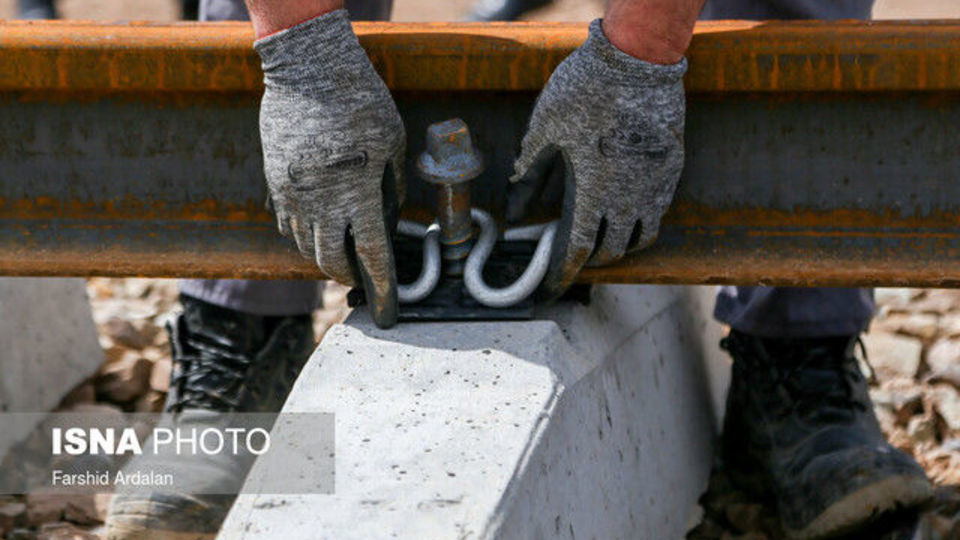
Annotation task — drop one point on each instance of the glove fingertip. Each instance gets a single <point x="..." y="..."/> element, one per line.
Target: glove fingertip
<point x="384" y="312"/>
<point x="283" y="225"/>
<point x="381" y="298"/>
<point x="645" y="234"/>
<point x="377" y="269"/>
<point x="551" y="290"/>
<point x="570" y="258"/>
<point x="522" y="169"/>
<point x="517" y="176"/>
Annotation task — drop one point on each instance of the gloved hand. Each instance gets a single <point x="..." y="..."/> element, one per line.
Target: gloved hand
<point x="612" y="126"/>
<point x="333" y="150"/>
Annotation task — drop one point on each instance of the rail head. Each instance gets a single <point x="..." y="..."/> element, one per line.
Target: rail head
<point x="851" y="126"/>
<point x="725" y="56"/>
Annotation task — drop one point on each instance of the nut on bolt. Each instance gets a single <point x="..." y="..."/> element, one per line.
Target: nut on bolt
<point x="450" y="162"/>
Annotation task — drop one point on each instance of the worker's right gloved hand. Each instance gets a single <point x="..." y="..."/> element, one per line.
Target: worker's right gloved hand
<point x="611" y="127"/>
<point x="333" y="149"/>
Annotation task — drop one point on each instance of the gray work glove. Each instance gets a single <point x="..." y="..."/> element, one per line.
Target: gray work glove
<point x="611" y="127"/>
<point x="333" y="149"/>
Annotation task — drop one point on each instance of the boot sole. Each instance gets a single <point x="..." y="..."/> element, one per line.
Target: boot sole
<point x="865" y="505"/>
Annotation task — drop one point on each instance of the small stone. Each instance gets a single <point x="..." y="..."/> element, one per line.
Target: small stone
<point x="156" y="354"/>
<point x="946" y="400"/>
<point x="116" y="353"/>
<point x="124" y="333"/>
<point x="160" y="375"/>
<point x="902" y="398"/>
<point x="99" y="289"/>
<point x="943" y="355"/>
<point x="893" y="297"/>
<point x="12" y="515"/>
<point x="138" y="287"/>
<point x="908" y="406"/>
<point x="45" y="507"/>
<point x="106" y="309"/>
<point x="886" y="419"/>
<point x="138" y="311"/>
<point x="922" y="429"/>
<point x="936" y="301"/>
<point x="124" y="381"/>
<point x="82" y="510"/>
<point x="901" y="440"/>
<point x="942" y="467"/>
<point x="151" y="402"/>
<point x="892" y="355"/>
<point x="148" y="331"/>
<point x="162" y="342"/>
<point x="950" y="375"/>
<point x="102" y="504"/>
<point x="920" y="325"/>
<point x="950" y="325"/>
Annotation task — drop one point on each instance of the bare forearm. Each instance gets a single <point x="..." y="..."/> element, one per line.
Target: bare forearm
<point x="272" y="16"/>
<point x="657" y="31"/>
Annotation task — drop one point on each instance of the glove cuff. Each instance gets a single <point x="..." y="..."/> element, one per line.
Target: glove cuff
<point x="627" y="69"/>
<point x="294" y="54"/>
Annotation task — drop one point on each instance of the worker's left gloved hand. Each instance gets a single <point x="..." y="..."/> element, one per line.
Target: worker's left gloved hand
<point x="333" y="149"/>
<point x="612" y="125"/>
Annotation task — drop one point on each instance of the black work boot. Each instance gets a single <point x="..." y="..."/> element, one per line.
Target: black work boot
<point x="228" y="361"/>
<point x="223" y="361"/>
<point x="504" y="10"/>
<point x="800" y="428"/>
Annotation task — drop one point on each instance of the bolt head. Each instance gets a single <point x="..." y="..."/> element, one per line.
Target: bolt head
<point x="450" y="157"/>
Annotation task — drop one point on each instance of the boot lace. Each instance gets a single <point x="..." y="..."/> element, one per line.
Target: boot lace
<point x="208" y="377"/>
<point x="822" y="381"/>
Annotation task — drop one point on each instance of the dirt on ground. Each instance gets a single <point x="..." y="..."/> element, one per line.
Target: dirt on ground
<point x="913" y="357"/>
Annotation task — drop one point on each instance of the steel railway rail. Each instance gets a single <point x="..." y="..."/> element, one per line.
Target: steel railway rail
<point x="819" y="153"/>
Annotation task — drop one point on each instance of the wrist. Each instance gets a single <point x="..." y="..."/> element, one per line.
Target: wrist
<point x="298" y="56"/>
<point x="615" y="65"/>
<point x="279" y="16"/>
<point x="658" y="36"/>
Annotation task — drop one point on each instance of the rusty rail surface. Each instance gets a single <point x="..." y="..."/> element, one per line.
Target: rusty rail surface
<point x="819" y="153"/>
